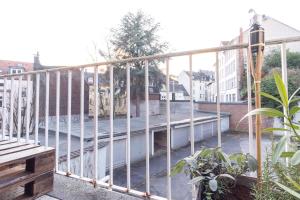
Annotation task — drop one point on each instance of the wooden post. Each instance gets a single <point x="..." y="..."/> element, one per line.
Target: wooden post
<point x="256" y="73"/>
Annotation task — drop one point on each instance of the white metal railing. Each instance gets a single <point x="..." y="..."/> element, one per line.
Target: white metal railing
<point x="35" y="75"/>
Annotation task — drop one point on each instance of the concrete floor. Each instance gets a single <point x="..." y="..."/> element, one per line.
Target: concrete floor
<point x="68" y="188"/>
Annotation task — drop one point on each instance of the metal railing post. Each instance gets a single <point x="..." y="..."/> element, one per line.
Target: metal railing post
<point x="192" y="132"/>
<point x="168" y="132"/>
<point x="111" y="125"/>
<point x="128" y="151"/>
<point x="96" y="124"/>
<point x="81" y="119"/>
<point x="249" y="99"/>
<point x="19" y="109"/>
<point x="285" y="81"/>
<point x="147" y="127"/>
<point x="4" y="109"/>
<point x="28" y="107"/>
<point x="37" y="109"/>
<point x="47" y="110"/>
<point x="57" y="119"/>
<point x="69" y="121"/>
<point x="218" y="100"/>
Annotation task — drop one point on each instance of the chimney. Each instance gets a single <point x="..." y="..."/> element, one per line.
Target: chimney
<point x="36" y="62"/>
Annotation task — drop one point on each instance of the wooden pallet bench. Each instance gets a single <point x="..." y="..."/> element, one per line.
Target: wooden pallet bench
<point x="26" y="170"/>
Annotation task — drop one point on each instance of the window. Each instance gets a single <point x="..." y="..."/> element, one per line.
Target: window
<point x="233" y="97"/>
<point x="24" y="91"/>
<point x="16" y="71"/>
<point x="1" y="101"/>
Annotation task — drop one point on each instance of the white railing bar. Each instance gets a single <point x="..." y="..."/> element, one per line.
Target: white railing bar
<point x="81" y="119"/>
<point x="69" y="120"/>
<point x="96" y="123"/>
<point x="168" y="133"/>
<point x="147" y="127"/>
<point x="285" y="81"/>
<point x="47" y="110"/>
<point x="12" y="108"/>
<point x="250" y="122"/>
<point x="218" y="101"/>
<point x="4" y="110"/>
<point x="57" y="119"/>
<point x="128" y="151"/>
<point x="37" y="109"/>
<point x="111" y="125"/>
<point x="161" y="56"/>
<point x="19" y="108"/>
<point x="192" y="133"/>
<point x="28" y="107"/>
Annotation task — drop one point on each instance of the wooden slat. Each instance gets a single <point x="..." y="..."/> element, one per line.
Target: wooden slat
<point x="17" y="149"/>
<point x="11" y="171"/>
<point x="7" y="141"/>
<point x="20" y="180"/>
<point x="24" y="155"/>
<point x="11" y="145"/>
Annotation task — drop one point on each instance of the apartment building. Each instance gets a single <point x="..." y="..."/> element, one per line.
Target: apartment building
<point x="200" y="80"/>
<point x="232" y="64"/>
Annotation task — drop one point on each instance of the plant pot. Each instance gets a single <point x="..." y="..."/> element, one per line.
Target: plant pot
<point x="241" y="191"/>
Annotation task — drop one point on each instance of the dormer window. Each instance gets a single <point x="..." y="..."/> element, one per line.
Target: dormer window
<point x="16" y="70"/>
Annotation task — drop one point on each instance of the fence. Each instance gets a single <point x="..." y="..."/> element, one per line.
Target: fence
<point x="33" y="106"/>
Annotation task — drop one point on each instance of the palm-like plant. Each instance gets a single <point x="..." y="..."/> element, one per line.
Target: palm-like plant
<point x="213" y="171"/>
<point x="291" y="128"/>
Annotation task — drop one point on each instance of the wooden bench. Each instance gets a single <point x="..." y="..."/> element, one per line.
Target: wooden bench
<point x="26" y="170"/>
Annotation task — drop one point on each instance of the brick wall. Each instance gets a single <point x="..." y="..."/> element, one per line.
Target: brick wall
<point x="75" y="106"/>
<point x="237" y="111"/>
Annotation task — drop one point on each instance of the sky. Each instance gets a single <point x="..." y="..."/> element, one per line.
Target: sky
<point x="65" y="32"/>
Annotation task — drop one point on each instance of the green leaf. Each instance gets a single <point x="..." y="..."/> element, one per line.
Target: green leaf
<point x="296" y="185"/>
<point x="295" y="160"/>
<point x="281" y="89"/>
<point x="279" y="148"/>
<point x="270" y="112"/>
<point x="196" y="180"/>
<point x="178" y="167"/>
<point x="292" y="192"/>
<point x="252" y="163"/>
<point x="294" y="100"/>
<point x="270" y="97"/>
<point x="213" y="185"/>
<point x="206" y="152"/>
<point x="294" y="110"/>
<point x="287" y="154"/>
<point x="224" y="157"/>
<point x="268" y="130"/>
<point x="226" y="176"/>
<point x="291" y="97"/>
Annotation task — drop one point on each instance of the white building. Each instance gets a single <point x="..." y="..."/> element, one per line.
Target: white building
<point x="177" y="92"/>
<point x="14" y="67"/>
<point x="200" y="81"/>
<point x="232" y="63"/>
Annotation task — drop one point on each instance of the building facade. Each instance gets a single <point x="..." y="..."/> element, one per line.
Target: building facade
<point x="233" y="63"/>
<point x="200" y="81"/>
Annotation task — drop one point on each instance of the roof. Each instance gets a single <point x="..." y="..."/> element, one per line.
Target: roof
<point x="5" y="65"/>
<point x="202" y="75"/>
<point x="264" y="19"/>
<point x="176" y="87"/>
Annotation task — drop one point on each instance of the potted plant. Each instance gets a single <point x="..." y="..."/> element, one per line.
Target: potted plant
<point x="282" y="170"/>
<point x="214" y="173"/>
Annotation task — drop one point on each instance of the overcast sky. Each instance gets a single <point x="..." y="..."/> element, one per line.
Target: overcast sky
<point x="64" y="31"/>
